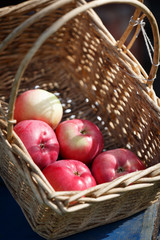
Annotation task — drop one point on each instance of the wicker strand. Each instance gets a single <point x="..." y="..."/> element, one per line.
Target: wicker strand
<point x="128" y="30"/>
<point x="137" y="30"/>
<point x="141" y="174"/>
<point x="36" y="17"/>
<point x="29" y="161"/>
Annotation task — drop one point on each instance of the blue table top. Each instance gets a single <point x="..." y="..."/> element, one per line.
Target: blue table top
<point x="13" y="224"/>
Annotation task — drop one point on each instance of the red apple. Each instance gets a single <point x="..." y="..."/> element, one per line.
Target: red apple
<point x="38" y="104"/>
<point x="79" y="139"/>
<point x="114" y="163"/>
<point x="69" y="175"/>
<point x="40" y="140"/>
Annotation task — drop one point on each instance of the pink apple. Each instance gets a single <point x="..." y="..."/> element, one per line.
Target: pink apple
<point x="69" y="175"/>
<point x="114" y="163"/>
<point x="38" y="104"/>
<point x="79" y="139"/>
<point x="40" y="140"/>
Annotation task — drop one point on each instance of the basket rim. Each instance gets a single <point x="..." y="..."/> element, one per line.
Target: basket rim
<point x="18" y="7"/>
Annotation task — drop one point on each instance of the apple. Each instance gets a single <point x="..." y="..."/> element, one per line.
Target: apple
<point x="38" y="104"/>
<point x="79" y="139"/>
<point x="69" y="175"/>
<point x="112" y="164"/>
<point x="40" y="140"/>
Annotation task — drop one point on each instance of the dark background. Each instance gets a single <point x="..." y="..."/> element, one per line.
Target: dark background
<point x="116" y="18"/>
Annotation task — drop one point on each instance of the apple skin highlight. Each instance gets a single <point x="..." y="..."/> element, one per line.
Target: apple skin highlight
<point x="79" y="139"/>
<point x="112" y="164"/>
<point x="69" y="175"/>
<point x="38" y="104"/>
<point x="40" y="141"/>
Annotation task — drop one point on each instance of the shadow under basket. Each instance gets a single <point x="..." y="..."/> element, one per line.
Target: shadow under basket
<point x="63" y="47"/>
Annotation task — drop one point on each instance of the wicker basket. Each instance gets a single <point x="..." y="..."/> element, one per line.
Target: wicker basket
<point x="62" y="46"/>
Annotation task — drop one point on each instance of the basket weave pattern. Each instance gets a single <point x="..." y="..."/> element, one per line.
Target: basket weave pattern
<point x="94" y="79"/>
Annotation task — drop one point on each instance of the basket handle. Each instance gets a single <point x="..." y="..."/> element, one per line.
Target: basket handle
<point x="57" y="25"/>
<point x="128" y="30"/>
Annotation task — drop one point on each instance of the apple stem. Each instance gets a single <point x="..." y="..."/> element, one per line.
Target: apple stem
<point x="120" y="169"/>
<point x="41" y="145"/>
<point x="83" y="131"/>
<point x="77" y="173"/>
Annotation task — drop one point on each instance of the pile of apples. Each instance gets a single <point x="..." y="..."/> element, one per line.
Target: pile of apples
<point x="69" y="153"/>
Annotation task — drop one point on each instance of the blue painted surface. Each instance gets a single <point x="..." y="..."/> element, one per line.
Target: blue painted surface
<point x="13" y="224"/>
<point x="128" y="229"/>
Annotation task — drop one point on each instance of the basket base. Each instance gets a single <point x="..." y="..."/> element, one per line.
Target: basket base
<point x="144" y="225"/>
